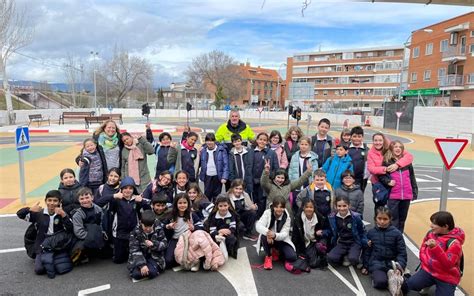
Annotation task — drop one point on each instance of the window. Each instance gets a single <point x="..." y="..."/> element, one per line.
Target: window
<point x="414" y="77"/>
<point x="338" y="68"/>
<point x="347" y="55"/>
<point x="453" y="38"/>
<point x="316" y="92"/>
<point x="325" y="93"/>
<point x="472" y="34"/>
<point x="370" y="54"/>
<point x="443" y="45"/>
<point x="358" y="55"/>
<point x="471" y="48"/>
<point x="429" y="49"/>
<point x="390" y="53"/>
<point x="441" y="73"/>
<point x="470" y="78"/>
<point x="303" y="58"/>
<point x="369" y="67"/>
<point x="427" y="75"/>
<point x="416" y="52"/>
<point x="456" y="103"/>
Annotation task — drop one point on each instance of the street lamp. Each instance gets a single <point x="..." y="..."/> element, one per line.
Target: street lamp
<point x="278" y="84"/>
<point x="94" y="56"/>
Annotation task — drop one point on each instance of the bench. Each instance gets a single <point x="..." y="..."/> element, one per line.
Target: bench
<point x="75" y="115"/>
<point x="115" y="116"/>
<point x="38" y="118"/>
<point x="96" y="119"/>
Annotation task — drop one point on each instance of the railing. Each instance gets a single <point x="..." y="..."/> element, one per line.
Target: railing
<point x="451" y="80"/>
<point x="455" y="51"/>
<point x="470" y="79"/>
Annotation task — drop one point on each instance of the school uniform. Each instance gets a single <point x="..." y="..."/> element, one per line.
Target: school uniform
<point x="290" y="147"/>
<point x="155" y="188"/>
<point x="184" y="159"/>
<point x="161" y="153"/>
<point x="355" y="196"/>
<point x="323" y="147"/>
<point x="241" y="167"/>
<point x="259" y="158"/>
<point x="247" y="216"/>
<point x="87" y="223"/>
<point x="217" y="222"/>
<point x="322" y="197"/>
<point x="214" y="166"/>
<point x="358" y="155"/>
<point x="93" y="173"/>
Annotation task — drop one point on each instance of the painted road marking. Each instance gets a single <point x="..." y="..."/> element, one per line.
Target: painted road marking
<point x="432" y="189"/>
<point x="7" y="215"/>
<point x="343" y="279"/>
<point x="463" y="189"/>
<point x="12" y="250"/>
<point x="239" y="274"/>
<point x="357" y="281"/>
<point x="93" y="290"/>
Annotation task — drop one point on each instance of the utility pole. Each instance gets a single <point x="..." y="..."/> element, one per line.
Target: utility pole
<point x="94" y="56"/>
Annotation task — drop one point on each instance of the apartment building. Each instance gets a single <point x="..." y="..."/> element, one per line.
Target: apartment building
<point x="353" y="78"/>
<point x="441" y="63"/>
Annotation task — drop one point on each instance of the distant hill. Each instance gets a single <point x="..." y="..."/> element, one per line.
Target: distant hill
<point x="63" y="87"/>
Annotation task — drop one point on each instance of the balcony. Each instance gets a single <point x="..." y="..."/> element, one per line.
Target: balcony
<point x="470" y="81"/>
<point x="454" y="54"/>
<point x="451" y="82"/>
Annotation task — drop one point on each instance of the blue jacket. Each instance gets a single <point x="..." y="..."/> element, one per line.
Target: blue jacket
<point x="259" y="165"/>
<point x="334" y="167"/>
<point x="247" y="158"/>
<point x="294" y="170"/>
<point x="387" y="244"/>
<point x="358" y="229"/>
<point x="221" y="160"/>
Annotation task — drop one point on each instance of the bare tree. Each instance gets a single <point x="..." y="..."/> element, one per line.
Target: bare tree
<point x="219" y="70"/>
<point x="123" y="74"/>
<point x="72" y="70"/>
<point x="14" y="34"/>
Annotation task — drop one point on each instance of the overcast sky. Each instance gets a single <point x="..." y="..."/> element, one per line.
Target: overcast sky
<point x="170" y="33"/>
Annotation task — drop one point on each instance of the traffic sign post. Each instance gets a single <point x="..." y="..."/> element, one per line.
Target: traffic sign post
<point x="260" y="110"/>
<point x="309" y="123"/>
<point x="449" y="149"/>
<point x="22" y="141"/>
<point x="399" y="114"/>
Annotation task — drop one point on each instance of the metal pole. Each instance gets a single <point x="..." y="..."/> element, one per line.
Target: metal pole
<point x="444" y="189"/>
<point x="398" y="123"/>
<point x="259" y="118"/>
<point x="21" y="164"/>
<point x="95" y="92"/>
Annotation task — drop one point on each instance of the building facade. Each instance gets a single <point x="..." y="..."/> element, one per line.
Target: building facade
<point x="441" y="63"/>
<point x="350" y="79"/>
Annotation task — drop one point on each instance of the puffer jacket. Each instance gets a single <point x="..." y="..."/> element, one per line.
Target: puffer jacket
<point x="355" y="195"/>
<point x="69" y="197"/>
<point x="193" y="245"/>
<point x="221" y="160"/>
<point x="281" y="155"/>
<point x="375" y="161"/>
<point x="442" y="261"/>
<point x="272" y="190"/>
<point x="358" y="230"/>
<point x="334" y="167"/>
<point x="387" y="245"/>
<point x="139" y="252"/>
<point x="247" y="158"/>
<point x="294" y="170"/>
<point x="405" y="187"/>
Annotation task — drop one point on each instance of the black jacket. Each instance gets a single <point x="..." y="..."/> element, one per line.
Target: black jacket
<point x="387" y="244"/>
<point x="298" y="231"/>
<point x="69" y="197"/>
<point x="247" y="159"/>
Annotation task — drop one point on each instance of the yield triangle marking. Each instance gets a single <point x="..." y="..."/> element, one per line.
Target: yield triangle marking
<point x="450" y="149"/>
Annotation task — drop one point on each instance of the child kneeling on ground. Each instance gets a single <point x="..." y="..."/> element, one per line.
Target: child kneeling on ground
<point x="147" y="248"/>
<point x="222" y="225"/>
<point x="53" y="236"/>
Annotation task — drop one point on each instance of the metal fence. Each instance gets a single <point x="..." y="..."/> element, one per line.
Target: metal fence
<point x="406" y="120"/>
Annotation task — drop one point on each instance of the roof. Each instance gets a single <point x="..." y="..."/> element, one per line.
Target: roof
<point x="258" y="73"/>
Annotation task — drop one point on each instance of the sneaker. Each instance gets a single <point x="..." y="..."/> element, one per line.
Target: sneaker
<point x="250" y="237"/>
<point x="195" y="267"/>
<point x="268" y="264"/>
<point x="346" y="262"/>
<point x="76" y="256"/>
<point x="275" y="254"/>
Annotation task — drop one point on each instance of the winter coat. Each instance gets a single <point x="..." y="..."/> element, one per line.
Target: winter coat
<point x="281" y="156"/>
<point x="145" y="148"/>
<point x="202" y="208"/>
<point x="387" y="245"/>
<point x="84" y="170"/>
<point x="443" y="261"/>
<point x="193" y="245"/>
<point x="405" y="187"/>
<point x="247" y="158"/>
<point x="358" y="230"/>
<point x="221" y="160"/>
<point x="375" y="160"/>
<point x="175" y="158"/>
<point x="226" y="130"/>
<point x="294" y="170"/>
<point x="298" y="235"/>
<point x="157" y="147"/>
<point x="247" y="200"/>
<point x="56" y="263"/>
<point x="283" y="227"/>
<point x="139" y="252"/>
<point x="284" y="191"/>
<point x="334" y="167"/>
<point x="69" y="198"/>
<point x="355" y="195"/>
<point x="216" y="222"/>
<point x="327" y="149"/>
<point x="120" y="146"/>
<point x="290" y="151"/>
<point x="323" y="198"/>
<point x="154" y="187"/>
<point x="41" y="220"/>
<point x="268" y="154"/>
<point x="78" y="218"/>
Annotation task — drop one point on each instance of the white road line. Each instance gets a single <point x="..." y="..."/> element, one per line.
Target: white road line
<point x="471" y="192"/>
<point x="239" y="274"/>
<point x="437" y="199"/>
<point x="7" y="215"/>
<point x="12" y="250"/>
<point x="343" y="279"/>
<point x="93" y="290"/>
<point x="357" y="281"/>
<point x="463" y="189"/>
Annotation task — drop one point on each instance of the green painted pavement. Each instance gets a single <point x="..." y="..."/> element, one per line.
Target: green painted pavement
<point x="434" y="159"/>
<point x="10" y="155"/>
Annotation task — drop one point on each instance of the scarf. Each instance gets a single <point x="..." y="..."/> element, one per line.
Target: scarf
<point x="107" y="142"/>
<point x="185" y="144"/>
<point x="274" y="146"/>
<point x="134" y="155"/>
<point x="308" y="227"/>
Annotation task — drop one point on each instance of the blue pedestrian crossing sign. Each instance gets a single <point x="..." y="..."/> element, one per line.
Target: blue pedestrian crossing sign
<point x="227" y="107"/>
<point x="22" y="138"/>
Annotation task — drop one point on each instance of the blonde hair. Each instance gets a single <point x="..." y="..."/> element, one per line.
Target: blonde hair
<point x="305" y="138"/>
<point x="389" y="156"/>
<point x="296" y="129"/>
<point x="101" y="128"/>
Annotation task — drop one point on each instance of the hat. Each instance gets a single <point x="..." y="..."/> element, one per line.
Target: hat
<point x="128" y="181"/>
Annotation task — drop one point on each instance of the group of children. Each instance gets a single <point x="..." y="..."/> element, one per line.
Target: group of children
<point x="302" y="198"/>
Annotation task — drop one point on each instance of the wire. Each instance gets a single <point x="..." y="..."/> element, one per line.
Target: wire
<point x="45" y="63"/>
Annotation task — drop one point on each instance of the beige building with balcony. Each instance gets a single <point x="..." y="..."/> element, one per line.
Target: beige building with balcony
<point x="350" y="79"/>
<point x="441" y="65"/>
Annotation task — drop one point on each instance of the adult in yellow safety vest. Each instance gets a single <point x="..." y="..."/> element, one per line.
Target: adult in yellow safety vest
<point x="234" y="126"/>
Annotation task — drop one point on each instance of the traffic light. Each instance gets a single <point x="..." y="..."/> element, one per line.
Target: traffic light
<point x="145" y="110"/>
<point x="298" y="114"/>
<point x="189" y="107"/>
<point x="290" y="110"/>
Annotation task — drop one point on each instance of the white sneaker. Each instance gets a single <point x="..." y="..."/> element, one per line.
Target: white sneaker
<point x="346" y="262"/>
<point x="195" y="267"/>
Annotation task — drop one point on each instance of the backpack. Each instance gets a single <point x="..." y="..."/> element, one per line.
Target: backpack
<point x="380" y="194"/>
<point x="29" y="240"/>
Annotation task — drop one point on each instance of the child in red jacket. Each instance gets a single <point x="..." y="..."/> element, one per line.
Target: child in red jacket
<point x="440" y="256"/>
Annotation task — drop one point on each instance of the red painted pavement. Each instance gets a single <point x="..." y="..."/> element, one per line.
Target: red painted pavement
<point x="6" y="201"/>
